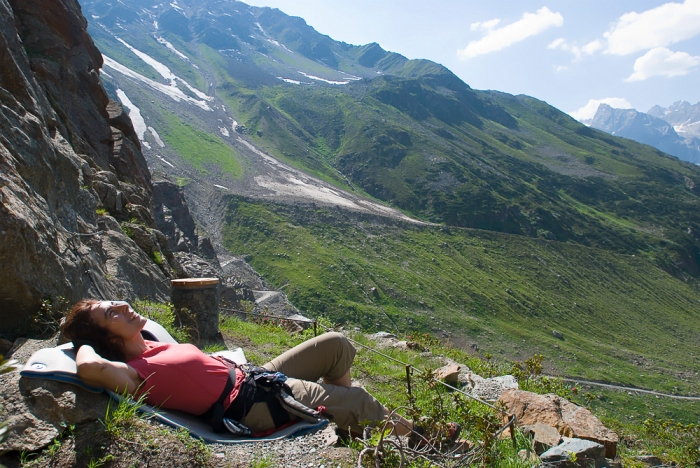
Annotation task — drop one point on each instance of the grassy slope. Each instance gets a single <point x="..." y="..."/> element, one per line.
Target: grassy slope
<point x="386" y="380"/>
<point x="525" y="180"/>
<point x="203" y="151"/>
<point x="622" y="317"/>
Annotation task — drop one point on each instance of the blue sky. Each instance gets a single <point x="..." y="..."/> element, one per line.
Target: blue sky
<point x="569" y="53"/>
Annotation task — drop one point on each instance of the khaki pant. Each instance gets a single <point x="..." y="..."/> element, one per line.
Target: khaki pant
<point x="327" y="356"/>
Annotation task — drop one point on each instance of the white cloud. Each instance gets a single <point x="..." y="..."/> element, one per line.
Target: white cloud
<point x="663" y="62"/>
<point x="658" y="27"/>
<point x="589" y="49"/>
<point x="529" y="25"/>
<point x="588" y="111"/>
<point x="560" y="68"/>
<point x="556" y="43"/>
<point x="592" y="47"/>
<point x="485" y="25"/>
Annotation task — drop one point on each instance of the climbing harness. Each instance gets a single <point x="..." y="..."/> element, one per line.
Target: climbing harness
<point x="259" y="386"/>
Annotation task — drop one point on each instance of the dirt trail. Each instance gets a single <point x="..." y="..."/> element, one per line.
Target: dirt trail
<point x="630" y="389"/>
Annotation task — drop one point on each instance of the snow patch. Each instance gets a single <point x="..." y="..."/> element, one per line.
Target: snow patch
<point x="288" y="80"/>
<point x="221" y="187"/>
<point x="171" y="90"/>
<point x="166" y="162"/>
<point x="159" y="67"/>
<point x="156" y="137"/>
<point x="165" y="71"/>
<point x="172" y="48"/>
<point x="176" y="6"/>
<point x="687" y="127"/>
<point x="155" y="25"/>
<point x="351" y="77"/>
<point x="312" y="77"/>
<point x="135" y="114"/>
<point x="224" y="131"/>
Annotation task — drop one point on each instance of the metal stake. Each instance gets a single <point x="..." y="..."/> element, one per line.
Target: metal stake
<point x="408" y="379"/>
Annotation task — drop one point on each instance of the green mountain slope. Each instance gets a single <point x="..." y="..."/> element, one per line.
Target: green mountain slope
<point x="623" y="319"/>
<point x="488" y="161"/>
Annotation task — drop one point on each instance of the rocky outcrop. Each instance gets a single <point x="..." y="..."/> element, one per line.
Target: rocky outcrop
<point x="71" y="168"/>
<point x="38" y="410"/>
<point x="569" y="419"/>
<point x="174" y="218"/>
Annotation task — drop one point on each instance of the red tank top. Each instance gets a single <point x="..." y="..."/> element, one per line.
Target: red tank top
<point x="181" y="377"/>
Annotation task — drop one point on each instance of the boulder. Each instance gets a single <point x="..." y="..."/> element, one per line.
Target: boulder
<point x="575" y="453"/>
<point x="38" y="409"/>
<point x="206" y="249"/>
<point x="448" y="374"/>
<point x="492" y="388"/>
<point x="543" y="436"/>
<point x="569" y="419"/>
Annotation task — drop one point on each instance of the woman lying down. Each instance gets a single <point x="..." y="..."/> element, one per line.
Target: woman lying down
<point x="112" y="354"/>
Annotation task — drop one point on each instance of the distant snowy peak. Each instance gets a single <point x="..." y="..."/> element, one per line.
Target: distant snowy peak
<point x="624" y="122"/>
<point x="648" y="129"/>
<point x="684" y="116"/>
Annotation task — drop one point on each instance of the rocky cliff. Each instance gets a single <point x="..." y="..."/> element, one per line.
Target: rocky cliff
<point x="77" y="216"/>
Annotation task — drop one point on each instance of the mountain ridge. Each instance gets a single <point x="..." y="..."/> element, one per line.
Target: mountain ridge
<point x="657" y="129"/>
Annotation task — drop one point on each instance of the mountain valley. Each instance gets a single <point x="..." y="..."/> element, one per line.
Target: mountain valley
<point x="387" y="193"/>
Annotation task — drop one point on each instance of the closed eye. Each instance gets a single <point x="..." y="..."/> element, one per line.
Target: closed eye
<point x="109" y="313"/>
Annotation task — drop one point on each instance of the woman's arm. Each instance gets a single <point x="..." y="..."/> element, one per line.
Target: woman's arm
<point x="97" y="371"/>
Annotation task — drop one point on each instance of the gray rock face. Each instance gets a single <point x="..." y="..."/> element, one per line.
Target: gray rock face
<point x="645" y="128"/>
<point x="174" y="218"/>
<point x="65" y="151"/>
<point x="576" y="453"/>
<point x="37" y="409"/>
<point x="684" y="116"/>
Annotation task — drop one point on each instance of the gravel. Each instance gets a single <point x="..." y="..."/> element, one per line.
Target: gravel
<point x="316" y="449"/>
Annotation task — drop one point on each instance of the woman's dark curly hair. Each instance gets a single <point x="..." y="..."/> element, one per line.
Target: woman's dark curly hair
<point x="81" y="328"/>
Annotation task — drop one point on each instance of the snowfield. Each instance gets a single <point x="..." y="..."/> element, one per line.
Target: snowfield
<point x="289" y="80"/>
<point x="172" y="48"/>
<point x="171" y="90"/>
<point x="134" y="113"/>
<point x="156" y="137"/>
<point x="312" y="77"/>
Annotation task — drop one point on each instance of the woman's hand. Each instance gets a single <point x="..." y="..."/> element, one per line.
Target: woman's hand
<point x="97" y="371"/>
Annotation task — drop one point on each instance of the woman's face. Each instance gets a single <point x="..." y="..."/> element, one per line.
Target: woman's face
<point x="118" y="317"/>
